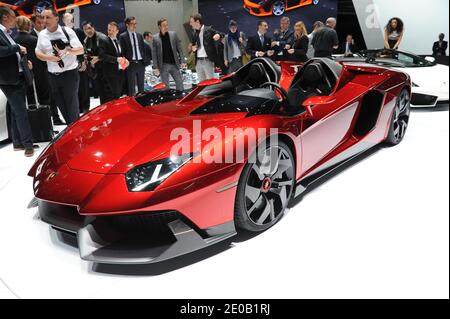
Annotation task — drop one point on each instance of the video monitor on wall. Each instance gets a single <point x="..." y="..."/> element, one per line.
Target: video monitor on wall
<point x="248" y="12"/>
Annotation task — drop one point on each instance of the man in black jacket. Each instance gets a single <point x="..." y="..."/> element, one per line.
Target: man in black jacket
<point x="259" y="46"/>
<point x="325" y="40"/>
<point x="12" y="82"/>
<point x="203" y="44"/>
<point x="113" y="63"/>
<point x="92" y="48"/>
<point x="133" y="49"/>
<point x="440" y="47"/>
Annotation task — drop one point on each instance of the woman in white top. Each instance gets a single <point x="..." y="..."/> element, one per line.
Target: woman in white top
<point x="393" y="33"/>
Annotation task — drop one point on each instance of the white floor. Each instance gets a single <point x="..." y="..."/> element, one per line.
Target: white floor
<point x="379" y="229"/>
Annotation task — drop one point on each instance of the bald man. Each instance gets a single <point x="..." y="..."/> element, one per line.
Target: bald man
<point x="325" y="40"/>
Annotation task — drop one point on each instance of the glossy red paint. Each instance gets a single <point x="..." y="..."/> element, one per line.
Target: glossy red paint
<point x="86" y="166"/>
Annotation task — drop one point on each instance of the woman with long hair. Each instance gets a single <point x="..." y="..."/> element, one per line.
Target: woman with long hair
<point x="299" y="48"/>
<point x="393" y="33"/>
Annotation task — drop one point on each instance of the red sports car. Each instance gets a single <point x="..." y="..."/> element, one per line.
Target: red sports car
<point x="29" y="7"/>
<point x="263" y="8"/>
<point x="147" y="178"/>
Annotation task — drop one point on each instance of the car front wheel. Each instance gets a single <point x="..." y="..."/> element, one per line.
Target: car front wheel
<point x="265" y="188"/>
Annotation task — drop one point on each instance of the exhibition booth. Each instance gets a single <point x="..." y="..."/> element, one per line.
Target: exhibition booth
<point x="224" y="149"/>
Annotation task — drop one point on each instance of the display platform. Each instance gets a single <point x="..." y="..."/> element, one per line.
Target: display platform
<point x="379" y="229"/>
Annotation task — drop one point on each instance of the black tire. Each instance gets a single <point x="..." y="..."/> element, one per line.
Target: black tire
<point x="275" y="183"/>
<point x="400" y="119"/>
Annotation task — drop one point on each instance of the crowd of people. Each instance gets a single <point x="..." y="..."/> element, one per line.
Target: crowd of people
<point x="67" y="62"/>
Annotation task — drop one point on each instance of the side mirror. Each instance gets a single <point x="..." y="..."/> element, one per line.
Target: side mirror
<point x="314" y="101"/>
<point x="309" y="111"/>
<point x="317" y="100"/>
<point x="430" y="59"/>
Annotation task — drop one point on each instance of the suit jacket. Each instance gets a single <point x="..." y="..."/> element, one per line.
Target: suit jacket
<point x="228" y="51"/>
<point x="286" y="38"/>
<point x="157" y="50"/>
<point x="9" y="69"/>
<point x="343" y="45"/>
<point x="108" y="55"/>
<point x="254" y="44"/>
<point x="29" y="41"/>
<point x="440" y="51"/>
<point x="127" y="48"/>
<point x="300" y="47"/>
<point x="208" y="43"/>
<point x="148" y="53"/>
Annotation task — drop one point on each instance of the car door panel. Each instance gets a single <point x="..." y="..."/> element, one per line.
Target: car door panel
<point x="330" y="125"/>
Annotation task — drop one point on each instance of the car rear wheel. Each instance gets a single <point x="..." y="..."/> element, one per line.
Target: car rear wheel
<point x="278" y="8"/>
<point x="265" y="188"/>
<point x="400" y="118"/>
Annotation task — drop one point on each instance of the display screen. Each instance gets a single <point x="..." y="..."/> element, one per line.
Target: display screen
<point x="247" y="13"/>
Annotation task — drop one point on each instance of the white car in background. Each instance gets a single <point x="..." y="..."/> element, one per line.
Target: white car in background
<point x="430" y="80"/>
<point x="3" y="121"/>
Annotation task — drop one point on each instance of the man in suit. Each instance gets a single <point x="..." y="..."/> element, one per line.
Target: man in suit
<point x="38" y="24"/>
<point x="113" y="63"/>
<point x="12" y="82"/>
<point x="440" y="47"/>
<point x="282" y="39"/>
<point x="148" y="39"/>
<point x="203" y="44"/>
<point x="259" y="46"/>
<point x="168" y="55"/>
<point x="348" y="48"/>
<point x="133" y="49"/>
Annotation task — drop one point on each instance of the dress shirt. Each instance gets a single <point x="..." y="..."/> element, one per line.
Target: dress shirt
<point x="201" y="53"/>
<point x="134" y="39"/>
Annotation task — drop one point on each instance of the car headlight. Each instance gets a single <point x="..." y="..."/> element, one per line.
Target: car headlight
<point x="146" y="177"/>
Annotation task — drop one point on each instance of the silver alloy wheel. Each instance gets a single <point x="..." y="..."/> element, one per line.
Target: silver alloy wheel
<point x="401" y="115"/>
<point x="278" y="8"/>
<point x="269" y="186"/>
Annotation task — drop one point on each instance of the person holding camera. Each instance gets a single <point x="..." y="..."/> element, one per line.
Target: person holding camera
<point x="93" y="45"/>
<point x="59" y="47"/>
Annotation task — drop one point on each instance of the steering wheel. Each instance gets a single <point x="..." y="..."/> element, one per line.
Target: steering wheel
<point x="277" y="88"/>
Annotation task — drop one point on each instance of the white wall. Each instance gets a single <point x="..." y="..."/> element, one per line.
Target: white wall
<point x="423" y="20"/>
<point x="149" y="12"/>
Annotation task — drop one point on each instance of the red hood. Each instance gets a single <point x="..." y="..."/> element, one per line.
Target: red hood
<point x="120" y="135"/>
